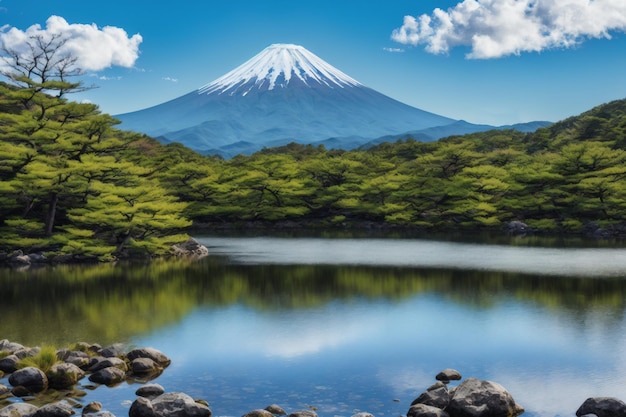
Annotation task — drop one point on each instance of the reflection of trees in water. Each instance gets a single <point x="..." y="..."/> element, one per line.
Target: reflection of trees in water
<point x="110" y="303"/>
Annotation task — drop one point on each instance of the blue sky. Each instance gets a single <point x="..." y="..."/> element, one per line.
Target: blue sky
<point x="484" y="61"/>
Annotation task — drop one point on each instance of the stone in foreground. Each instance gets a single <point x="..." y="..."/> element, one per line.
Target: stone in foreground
<point x="602" y="407"/>
<point x="478" y="398"/>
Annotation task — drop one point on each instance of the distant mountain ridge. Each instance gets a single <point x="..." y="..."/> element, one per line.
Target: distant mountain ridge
<point x="286" y="94"/>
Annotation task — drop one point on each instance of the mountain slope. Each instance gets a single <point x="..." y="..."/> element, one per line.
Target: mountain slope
<point x="283" y="94"/>
<point x="287" y="94"/>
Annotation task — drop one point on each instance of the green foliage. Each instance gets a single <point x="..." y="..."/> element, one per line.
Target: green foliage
<point x="68" y="184"/>
<point x="44" y="359"/>
<point x="71" y="183"/>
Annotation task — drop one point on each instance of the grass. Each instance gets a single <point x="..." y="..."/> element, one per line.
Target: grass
<point x="43" y="360"/>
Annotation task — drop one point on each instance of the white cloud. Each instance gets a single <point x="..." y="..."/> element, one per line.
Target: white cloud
<point x="95" y="48"/>
<point x="394" y="50"/>
<point x="174" y="80"/>
<point x="496" y="28"/>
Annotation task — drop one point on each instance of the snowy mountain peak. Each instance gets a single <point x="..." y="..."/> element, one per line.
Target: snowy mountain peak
<point x="275" y="67"/>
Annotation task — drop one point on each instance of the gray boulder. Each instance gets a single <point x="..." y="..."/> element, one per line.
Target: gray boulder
<point x="59" y="409"/>
<point x="76" y="357"/>
<point x="4" y="391"/>
<point x="448" y="375"/>
<point x="8" y="346"/>
<point x="423" y="410"/>
<point x="8" y="364"/>
<point x="145" y="366"/>
<point x="258" y="413"/>
<point x="190" y="248"/>
<point x="157" y="356"/>
<point x="114" y="351"/>
<point x="275" y="409"/>
<point x="150" y="391"/>
<point x="178" y="404"/>
<point x="108" y="376"/>
<point x="477" y="398"/>
<point x="517" y="227"/>
<point x="31" y="378"/>
<point x="64" y="375"/>
<point x="100" y="362"/>
<point x="437" y="396"/>
<point x="303" y="413"/>
<point x="602" y="407"/>
<point x="141" y="407"/>
<point x="18" y="410"/>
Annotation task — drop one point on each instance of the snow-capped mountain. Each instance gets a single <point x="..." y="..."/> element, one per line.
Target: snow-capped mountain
<point x="284" y="94"/>
<point x="275" y="67"/>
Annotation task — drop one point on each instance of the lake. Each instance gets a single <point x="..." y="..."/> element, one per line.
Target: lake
<point x="342" y="325"/>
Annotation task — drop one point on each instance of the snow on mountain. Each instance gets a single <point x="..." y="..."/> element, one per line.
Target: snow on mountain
<point x="283" y="94"/>
<point x="278" y="63"/>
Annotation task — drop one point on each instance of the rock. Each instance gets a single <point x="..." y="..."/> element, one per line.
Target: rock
<point x="18" y="410"/>
<point x="20" y="259"/>
<point x="448" y="375"/>
<point x="37" y="258"/>
<point x="155" y="355"/>
<point x="102" y="362"/>
<point x="303" y="413"/>
<point x="30" y="378"/>
<point x="363" y="414"/>
<point x="8" y="364"/>
<point x="190" y="248"/>
<point x="476" y="398"/>
<point x="114" y="351"/>
<point x="275" y="409"/>
<point x="258" y="413"/>
<point x="517" y="227"/>
<point x="108" y="376"/>
<point x="436" y="396"/>
<point x="4" y="390"/>
<point x="92" y="407"/>
<point x="150" y="391"/>
<point x="59" y="409"/>
<point x="8" y="346"/>
<point x="602" y="407"/>
<point x="423" y="410"/>
<point x="76" y="357"/>
<point x="144" y="366"/>
<point x="178" y="404"/>
<point x="141" y="407"/>
<point x="64" y="375"/>
<point x="27" y="352"/>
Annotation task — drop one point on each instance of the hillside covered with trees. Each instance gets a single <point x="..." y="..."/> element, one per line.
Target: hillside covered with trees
<point x="71" y="183"/>
<point x="570" y="177"/>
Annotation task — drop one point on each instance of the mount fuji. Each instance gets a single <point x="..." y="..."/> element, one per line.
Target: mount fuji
<point x="286" y="94"/>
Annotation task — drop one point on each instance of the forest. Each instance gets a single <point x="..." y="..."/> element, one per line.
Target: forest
<point x="72" y="183"/>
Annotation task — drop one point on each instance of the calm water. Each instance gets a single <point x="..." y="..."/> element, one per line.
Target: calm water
<point x="345" y="325"/>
